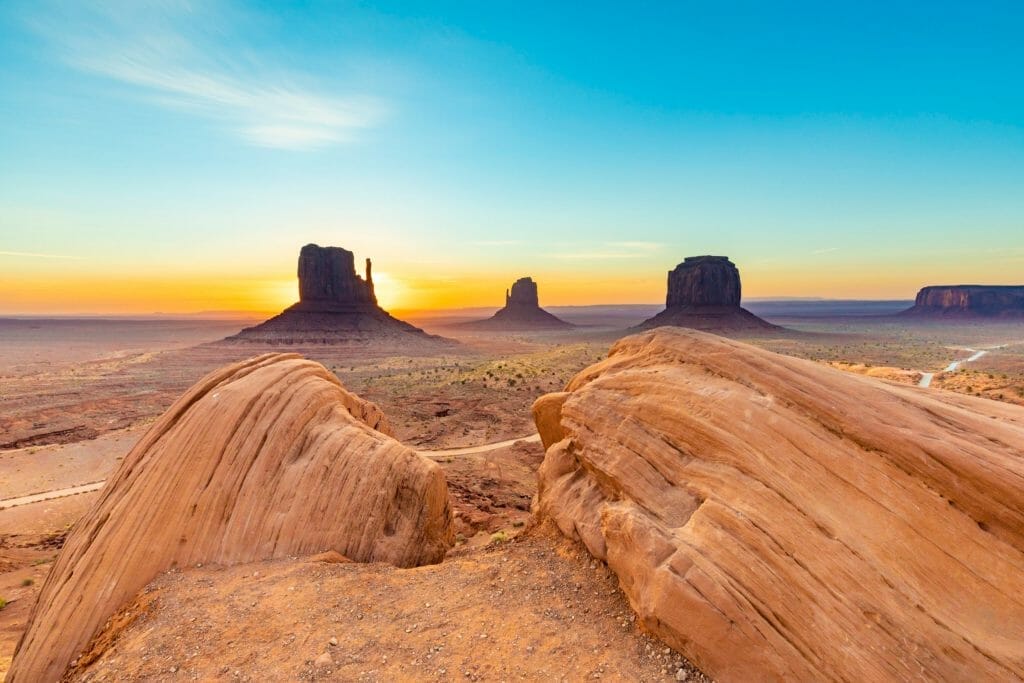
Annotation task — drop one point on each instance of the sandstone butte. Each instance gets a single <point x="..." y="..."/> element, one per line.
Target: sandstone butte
<point x="704" y="293"/>
<point x="522" y="311"/>
<point x="775" y="519"/>
<point x="335" y="306"/>
<point x="263" y="459"/>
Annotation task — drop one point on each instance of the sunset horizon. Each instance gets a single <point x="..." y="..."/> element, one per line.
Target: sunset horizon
<point x="377" y="340"/>
<point x="174" y="157"/>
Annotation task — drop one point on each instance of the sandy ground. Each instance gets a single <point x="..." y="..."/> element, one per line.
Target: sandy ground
<point x="34" y="469"/>
<point x="534" y="608"/>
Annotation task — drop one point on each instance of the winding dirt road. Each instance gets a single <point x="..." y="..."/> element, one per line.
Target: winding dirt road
<point x="97" y="485"/>
<point x="926" y="377"/>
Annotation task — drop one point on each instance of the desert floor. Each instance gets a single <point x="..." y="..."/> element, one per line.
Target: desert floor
<point x="75" y="395"/>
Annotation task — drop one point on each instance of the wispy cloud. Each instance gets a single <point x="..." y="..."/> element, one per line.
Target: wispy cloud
<point x="29" y="254"/>
<point x="156" y="51"/>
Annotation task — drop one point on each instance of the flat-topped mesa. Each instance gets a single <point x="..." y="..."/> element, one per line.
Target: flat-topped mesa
<point x="1002" y="301"/>
<point x="335" y="306"/>
<point x="522" y="311"/>
<point x="704" y="293"/>
<point x="704" y="281"/>
<point x="328" y="279"/>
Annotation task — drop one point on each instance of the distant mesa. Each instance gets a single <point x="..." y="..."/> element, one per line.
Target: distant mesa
<point x="704" y="294"/>
<point x="336" y="306"/>
<point x="969" y="301"/>
<point x="522" y="311"/>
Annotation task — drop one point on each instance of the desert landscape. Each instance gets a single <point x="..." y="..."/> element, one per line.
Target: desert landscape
<point x="385" y="341"/>
<point x="73" y="414"/>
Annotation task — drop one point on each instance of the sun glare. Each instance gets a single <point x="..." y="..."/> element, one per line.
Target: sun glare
<point x="390" y="291"/>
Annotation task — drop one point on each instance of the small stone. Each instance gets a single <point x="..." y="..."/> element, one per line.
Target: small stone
<point x="173" y="669"/>
<point x="323" y="660"/>
<point x="681" y="674"/>
<point x="333" y="641"/>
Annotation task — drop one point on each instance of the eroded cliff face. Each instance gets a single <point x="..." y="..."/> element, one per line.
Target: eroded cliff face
<point x="704" y="294"/>
<point x="327" y="278"/>
<point x="523" y="293"/>
<point x="970" y="300"/>
<point x="263" y="459"/>
<point x="775" y="519"/>
<point x="704" y="281"/>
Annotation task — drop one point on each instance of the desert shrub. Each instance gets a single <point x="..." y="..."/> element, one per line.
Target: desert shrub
<point x="3" y="603"/>
<point x="499" y="537"/>
<point x="27" y="582"/>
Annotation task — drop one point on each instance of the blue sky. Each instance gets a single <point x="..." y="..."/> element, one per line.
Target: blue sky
<point x="831" y="149"/>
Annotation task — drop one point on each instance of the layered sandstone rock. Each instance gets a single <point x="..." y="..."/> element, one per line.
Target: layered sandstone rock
<point x="336" y="306"/>
<point x="263" y="459"/>
<point x="704" y="293"/>
<point x="969" y="301"/>
<point x="522" y="311"/>
<point x="775" y="519"/>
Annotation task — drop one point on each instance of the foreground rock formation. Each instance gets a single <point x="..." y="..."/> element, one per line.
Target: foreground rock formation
<point x="336" y="306"/>
<point x="267" y="458"/>
<point x="704" y="294"/>
<point x="522" y="311"/>
<point x="969" y="301"/>
<point x="775" y="519"/>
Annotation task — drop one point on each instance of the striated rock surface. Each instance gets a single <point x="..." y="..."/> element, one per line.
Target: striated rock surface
<point x="776" y="519"/>
<point x="967" y="301"/>
<point x="522" y="311"/>
<point x="704" y="293"/>
<point x="336" y="306"/>
<point x="267" y="458"/>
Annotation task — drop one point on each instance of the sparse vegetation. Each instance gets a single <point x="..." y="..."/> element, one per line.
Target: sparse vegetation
<point x="499" y="537"/>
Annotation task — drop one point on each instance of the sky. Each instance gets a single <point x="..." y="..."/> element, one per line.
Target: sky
<point x="173" y="156"/>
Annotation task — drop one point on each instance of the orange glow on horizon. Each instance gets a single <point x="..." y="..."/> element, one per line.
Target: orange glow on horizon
<point x="138" y="294"/>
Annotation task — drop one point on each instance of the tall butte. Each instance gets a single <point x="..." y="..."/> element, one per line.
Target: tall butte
<point x="704" y="294"/>
<point x="522" y="311"/>
<point x="336" y="306"/>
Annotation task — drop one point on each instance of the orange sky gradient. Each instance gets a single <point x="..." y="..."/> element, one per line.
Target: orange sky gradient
<point x="63" y="290"/>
